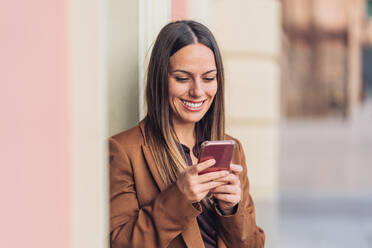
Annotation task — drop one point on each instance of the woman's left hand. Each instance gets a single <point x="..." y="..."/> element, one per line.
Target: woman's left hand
<point x="230" y="194"/>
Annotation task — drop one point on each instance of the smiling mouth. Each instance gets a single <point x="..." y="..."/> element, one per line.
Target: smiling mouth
<point x="193" y="105"/>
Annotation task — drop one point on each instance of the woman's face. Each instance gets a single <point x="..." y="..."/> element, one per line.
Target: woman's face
<point x="192" y="82"/>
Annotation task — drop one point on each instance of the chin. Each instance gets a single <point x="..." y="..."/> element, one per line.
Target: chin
<point x="191" y="119"/>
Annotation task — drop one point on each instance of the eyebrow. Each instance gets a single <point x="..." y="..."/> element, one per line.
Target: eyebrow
<point x="191" y="74"/>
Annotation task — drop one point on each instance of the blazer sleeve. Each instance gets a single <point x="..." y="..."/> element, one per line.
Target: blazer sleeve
<point x="240" y="229"/>
<point x="152" y="225"/>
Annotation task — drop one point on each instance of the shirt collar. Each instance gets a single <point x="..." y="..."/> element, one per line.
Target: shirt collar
<point x="196" y="149"/>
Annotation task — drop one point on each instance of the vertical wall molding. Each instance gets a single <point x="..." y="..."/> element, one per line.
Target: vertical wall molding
<point x="153" y="15"/>
<point x="87" y="89"/>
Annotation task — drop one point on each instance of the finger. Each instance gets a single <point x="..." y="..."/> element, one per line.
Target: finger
<point x="209" y="186"/>
<point x="227" y="198"/>
<point x="227" y="189"/>
<point x="199" y="194"/>
<point x="231" y="179"/>
<point x="204" y="165"/>
<point x="236" y="168"/>
<point x="212" y="176"/>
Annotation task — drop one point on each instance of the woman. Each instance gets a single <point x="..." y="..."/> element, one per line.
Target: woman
<point x="158" y="198"/>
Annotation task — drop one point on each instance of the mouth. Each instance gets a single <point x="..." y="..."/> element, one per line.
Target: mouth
<point x="193" y="106"/>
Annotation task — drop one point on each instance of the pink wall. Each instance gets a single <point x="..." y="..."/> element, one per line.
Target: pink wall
<point x="178" y="10"/>
<point x="34" y="137"/>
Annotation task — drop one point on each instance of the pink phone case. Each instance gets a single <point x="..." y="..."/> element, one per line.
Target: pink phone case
<point x="221" y="151"/>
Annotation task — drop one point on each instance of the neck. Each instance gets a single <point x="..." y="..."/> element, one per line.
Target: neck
<point x="185" y="133"/>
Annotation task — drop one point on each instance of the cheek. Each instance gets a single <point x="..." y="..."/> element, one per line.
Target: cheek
<point x="175" y="89"/>
<point x="172" y="100"/>
<point x="174" y="92"/>
<point x="211" y="89"/>
<point x="173" y="104"/>
<point x="171" y="96"/>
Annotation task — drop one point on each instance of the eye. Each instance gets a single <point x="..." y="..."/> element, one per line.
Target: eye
<point x="182" y="79"/>
<point x="208" y="79"/>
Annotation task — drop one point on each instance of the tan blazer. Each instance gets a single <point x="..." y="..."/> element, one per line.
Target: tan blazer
<point x="146" y="213"/>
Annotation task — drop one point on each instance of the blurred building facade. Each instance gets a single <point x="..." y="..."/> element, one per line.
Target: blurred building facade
<point x="322" y="52"/>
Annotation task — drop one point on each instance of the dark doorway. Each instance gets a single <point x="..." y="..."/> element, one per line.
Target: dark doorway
<point x="367" y="71"/>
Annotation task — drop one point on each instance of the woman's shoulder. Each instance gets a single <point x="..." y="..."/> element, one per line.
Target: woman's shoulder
<point x="229" y="137"/>
<point x="130" y="137"/>
<point x="238" y="146"/>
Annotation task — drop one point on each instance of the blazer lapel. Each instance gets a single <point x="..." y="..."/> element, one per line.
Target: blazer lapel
<point x="150" y="160"/>
<point x="191" y="235"/>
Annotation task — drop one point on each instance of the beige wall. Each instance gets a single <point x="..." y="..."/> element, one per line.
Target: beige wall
<point x="122" y="71"/>
<point x="131" y="30"/>
<point x="88" y="119"/>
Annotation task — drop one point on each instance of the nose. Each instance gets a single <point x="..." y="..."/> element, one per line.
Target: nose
<point x="196" y="89"/>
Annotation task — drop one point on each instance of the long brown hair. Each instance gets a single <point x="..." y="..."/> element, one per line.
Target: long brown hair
<point x="161" y="136"/>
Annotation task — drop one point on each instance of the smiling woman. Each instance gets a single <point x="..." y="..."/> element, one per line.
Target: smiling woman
<point x="158" y="196"/>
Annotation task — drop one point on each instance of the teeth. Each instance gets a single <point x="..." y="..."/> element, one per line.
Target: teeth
<point x="192" y="105"/>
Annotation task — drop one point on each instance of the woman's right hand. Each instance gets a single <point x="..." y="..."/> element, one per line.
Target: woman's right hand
<point x="196" y="186"/>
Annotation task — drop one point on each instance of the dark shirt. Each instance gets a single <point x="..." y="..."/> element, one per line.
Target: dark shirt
<point x="206" y="220"/>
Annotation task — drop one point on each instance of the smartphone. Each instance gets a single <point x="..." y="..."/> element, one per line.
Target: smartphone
<point x="220" y="150"/>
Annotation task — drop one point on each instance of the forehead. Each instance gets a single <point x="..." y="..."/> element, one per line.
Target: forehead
<point x="193" y="58"/>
